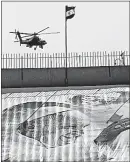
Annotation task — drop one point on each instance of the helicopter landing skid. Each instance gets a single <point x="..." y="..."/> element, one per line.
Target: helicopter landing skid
<point x="35" y="48"/>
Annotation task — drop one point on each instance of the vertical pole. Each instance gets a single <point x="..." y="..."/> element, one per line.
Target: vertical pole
<point x="21" y="71"/>
<point x="66" y="76"/>
<point x="109" y="65"/>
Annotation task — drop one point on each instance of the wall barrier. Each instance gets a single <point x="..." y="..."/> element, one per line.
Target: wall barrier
<point x="55" y="77"/>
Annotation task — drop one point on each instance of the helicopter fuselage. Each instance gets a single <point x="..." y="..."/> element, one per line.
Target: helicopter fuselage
<point x="33" y="41"/>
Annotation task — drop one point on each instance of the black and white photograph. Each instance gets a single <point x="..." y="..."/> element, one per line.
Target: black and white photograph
<point x="65" y="81"/>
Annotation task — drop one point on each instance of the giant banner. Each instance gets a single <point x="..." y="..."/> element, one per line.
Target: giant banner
<point x="68" y="125"/>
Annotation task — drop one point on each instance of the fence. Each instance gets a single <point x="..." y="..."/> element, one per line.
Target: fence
<point x="58" y="60"/>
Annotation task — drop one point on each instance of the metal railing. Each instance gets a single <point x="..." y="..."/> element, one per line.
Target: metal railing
<point x="58" y="60"/>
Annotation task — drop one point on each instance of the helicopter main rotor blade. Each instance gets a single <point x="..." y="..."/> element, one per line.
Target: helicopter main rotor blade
<point x="12" y="32"/>
<point x="21" y="33"/>
<point x="50" y="33"/>
<point x="42" y="30"/>
<point x="30" y="34"/>
<point x="16" y="41"/>
<point x="40" y="34"/>
<point x="26" y="33"/>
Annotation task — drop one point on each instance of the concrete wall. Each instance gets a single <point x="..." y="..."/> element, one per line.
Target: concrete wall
<point x="120" y="75"/>
<point x="98" y="76"/>
<point x="15" y="78"/>
<point x="88" y="76"/>
<point x="43" y="77"/>
<point x="11" y="78"/>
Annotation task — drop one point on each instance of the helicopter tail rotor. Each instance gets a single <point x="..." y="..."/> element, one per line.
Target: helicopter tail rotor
<point x="16" y="37"/>
<point x="16" y="34"/>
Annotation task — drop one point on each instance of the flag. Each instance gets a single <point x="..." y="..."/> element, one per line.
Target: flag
<point x="70" y="12"/>
<point x="115" y="118"/>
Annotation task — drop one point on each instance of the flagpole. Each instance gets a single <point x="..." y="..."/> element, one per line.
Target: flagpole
<point x="66" y="76"/>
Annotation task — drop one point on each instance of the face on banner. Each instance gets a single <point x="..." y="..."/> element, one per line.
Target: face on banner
<point x="55" y="129"/>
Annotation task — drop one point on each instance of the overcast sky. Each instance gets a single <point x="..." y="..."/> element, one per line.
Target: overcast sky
<point x="95" y="26"/>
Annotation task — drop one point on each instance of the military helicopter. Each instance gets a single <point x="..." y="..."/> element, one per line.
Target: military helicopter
<point x="112" y="131"/>
<point x="33" y="39"/>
